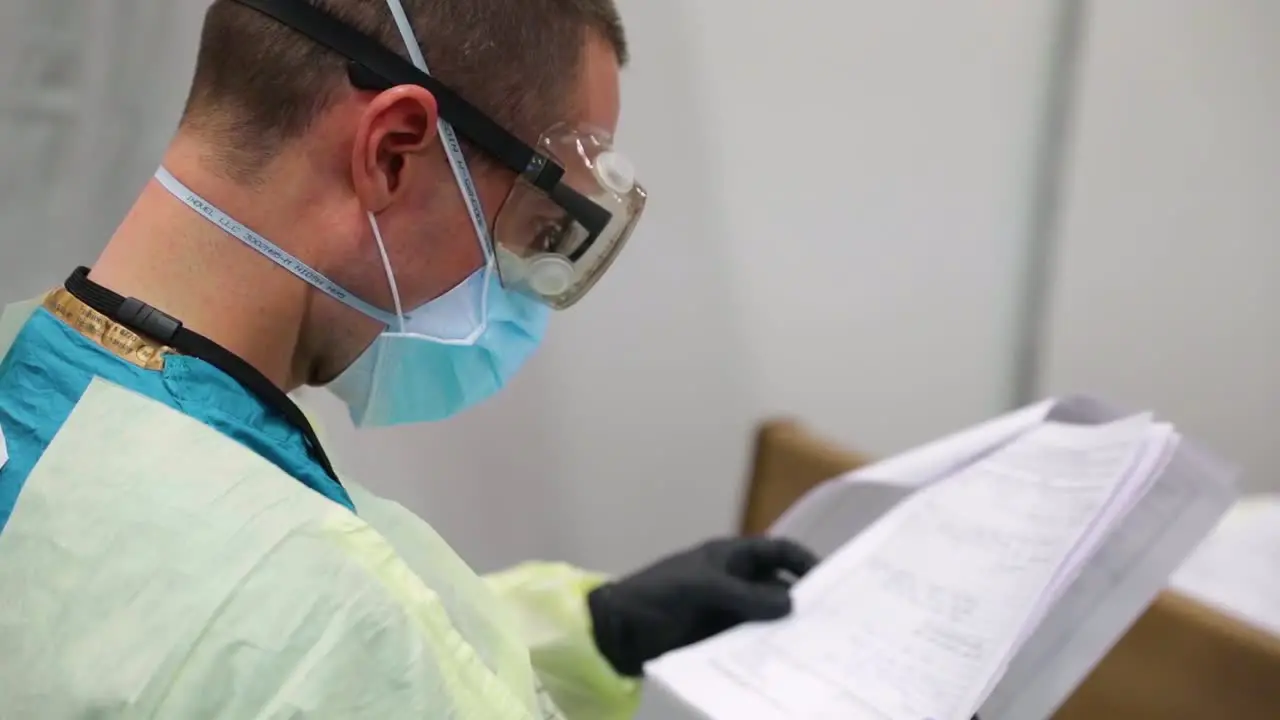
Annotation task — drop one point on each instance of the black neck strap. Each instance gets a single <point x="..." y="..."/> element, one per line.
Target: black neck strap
<point x="152" y="323"/>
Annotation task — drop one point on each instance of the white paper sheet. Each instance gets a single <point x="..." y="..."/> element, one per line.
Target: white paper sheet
<point x="827" y="516"/>
<point x="1153" y="453"/>
<point x="1117" y="585"/>
<point x="911" y="619"/>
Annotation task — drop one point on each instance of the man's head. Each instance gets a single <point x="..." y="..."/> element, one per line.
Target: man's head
<point x="268" y="104"/>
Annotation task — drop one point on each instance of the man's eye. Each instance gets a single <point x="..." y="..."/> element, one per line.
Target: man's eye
<point x="548" y="237"/>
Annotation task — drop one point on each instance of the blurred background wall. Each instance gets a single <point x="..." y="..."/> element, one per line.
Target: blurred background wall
<point x="1168" y="255"/>
<point x="844" y="206"/>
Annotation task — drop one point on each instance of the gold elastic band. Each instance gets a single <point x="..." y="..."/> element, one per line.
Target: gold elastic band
<point x="112" y="336"/>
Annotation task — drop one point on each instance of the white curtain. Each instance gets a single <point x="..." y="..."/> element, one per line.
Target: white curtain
<point x="90" y="91"/>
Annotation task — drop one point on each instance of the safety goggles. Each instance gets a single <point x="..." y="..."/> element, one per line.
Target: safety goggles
<point x="575" y="201"/>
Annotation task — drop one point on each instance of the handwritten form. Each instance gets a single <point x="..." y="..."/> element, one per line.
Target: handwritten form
<point x="1191" y="490"/>
<point x="916" y="618"/>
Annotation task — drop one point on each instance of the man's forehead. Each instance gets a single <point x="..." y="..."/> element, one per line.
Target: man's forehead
<point x="599" y="93"/>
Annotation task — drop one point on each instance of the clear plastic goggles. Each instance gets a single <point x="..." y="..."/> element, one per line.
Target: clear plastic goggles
<point x="554" y="245"/>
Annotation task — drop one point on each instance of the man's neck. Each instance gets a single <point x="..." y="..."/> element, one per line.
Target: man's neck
<point x="168" y="256"/>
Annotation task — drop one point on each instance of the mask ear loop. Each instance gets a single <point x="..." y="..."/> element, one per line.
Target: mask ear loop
<point x="386" y="266"/>
<point x="461" y="173"/>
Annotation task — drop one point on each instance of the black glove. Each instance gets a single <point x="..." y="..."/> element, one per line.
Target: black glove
<point x="694" y="595"/>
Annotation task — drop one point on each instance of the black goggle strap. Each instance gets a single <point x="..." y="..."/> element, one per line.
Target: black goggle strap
<point x="374" y="67"/>
<point x="593" y="218"/>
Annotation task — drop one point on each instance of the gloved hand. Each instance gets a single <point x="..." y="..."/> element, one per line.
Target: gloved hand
<point x="694" y="595"/>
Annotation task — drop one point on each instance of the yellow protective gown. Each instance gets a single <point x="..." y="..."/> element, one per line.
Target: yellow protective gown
<point x="154" y="568"/>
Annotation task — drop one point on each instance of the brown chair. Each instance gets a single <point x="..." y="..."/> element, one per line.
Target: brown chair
<point x="789" y="461"/>
<point x="1180" y="661"/>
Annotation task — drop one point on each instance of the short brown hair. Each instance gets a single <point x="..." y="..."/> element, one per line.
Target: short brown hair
<point x="259" y="84"/>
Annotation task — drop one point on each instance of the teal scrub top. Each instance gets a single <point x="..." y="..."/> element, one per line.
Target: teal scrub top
<point x="51" y="364"/>
<point x="278" y="597"/>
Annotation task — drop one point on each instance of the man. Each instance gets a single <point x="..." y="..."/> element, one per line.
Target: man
<point x="336" y="209"/>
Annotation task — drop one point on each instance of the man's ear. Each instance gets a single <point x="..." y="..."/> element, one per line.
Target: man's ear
<point x="397" y="124"/>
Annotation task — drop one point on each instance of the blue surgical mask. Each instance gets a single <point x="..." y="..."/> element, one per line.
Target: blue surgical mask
<point x="430" y="363"/>
<point x="405" y="377"/>
<point x="434" y="361"/>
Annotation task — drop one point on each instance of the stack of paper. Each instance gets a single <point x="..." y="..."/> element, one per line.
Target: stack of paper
<point x="1021" y="551"/>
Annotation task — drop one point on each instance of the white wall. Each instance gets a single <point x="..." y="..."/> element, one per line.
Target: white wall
<point x="876" y="162"/>
<point x="89" y="94"/>
<point x="1169" y="265"/>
